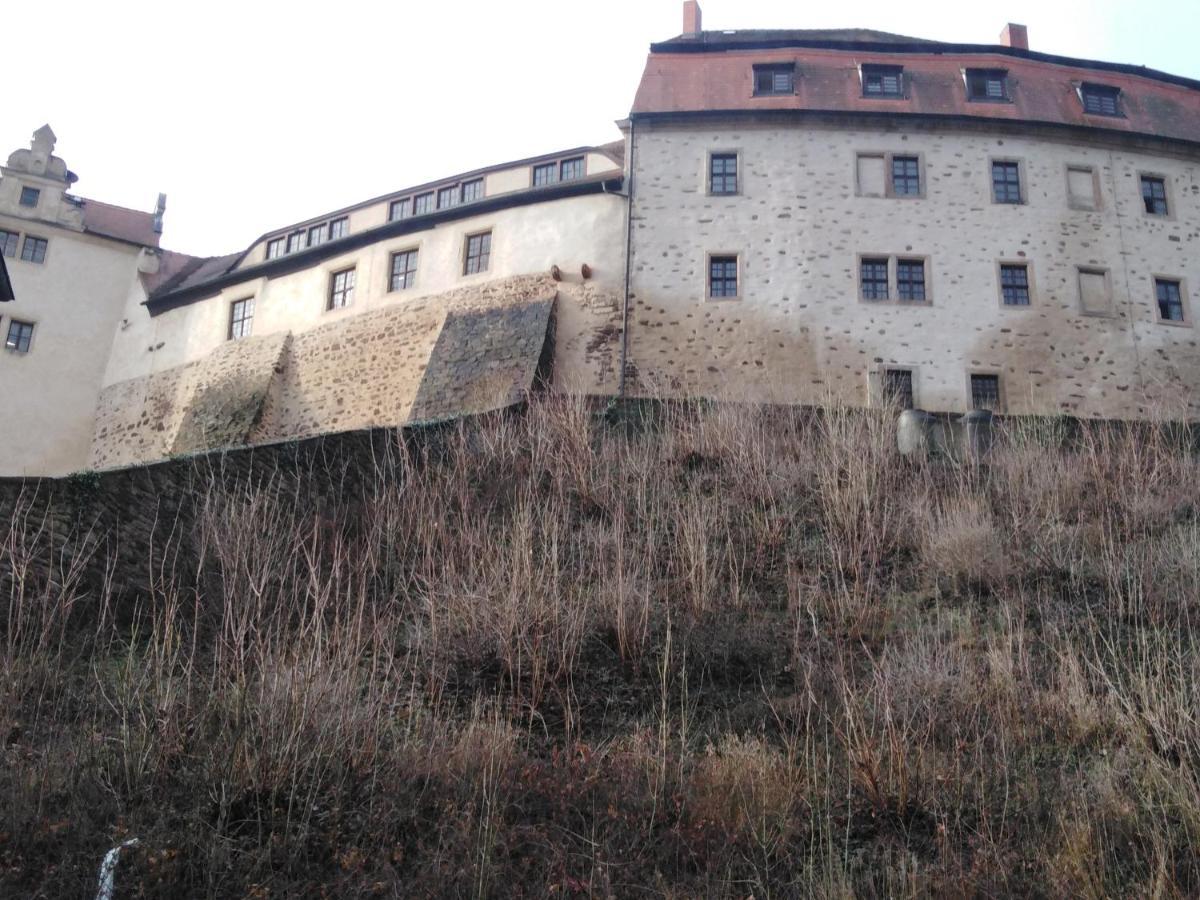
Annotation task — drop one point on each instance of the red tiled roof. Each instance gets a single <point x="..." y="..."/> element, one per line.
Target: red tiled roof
<point x="118" y="222"/>
<point x="827" y="80"/>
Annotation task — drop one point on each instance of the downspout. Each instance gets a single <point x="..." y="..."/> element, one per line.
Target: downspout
<point x="628" y="261"/>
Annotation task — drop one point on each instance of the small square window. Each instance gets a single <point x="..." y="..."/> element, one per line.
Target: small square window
<point x="898" y="388"/>
<point x="34" y="249"/>
<point x="1006" y="182"/>
<point x="399" y="209"/>
<point x="545" y="174"/>
<point x="722" y="277"/>
<point x="873" y="274"/>
<point x="572" y="169"/>
<point x="339" y="228"/>
<point x="447" y="197"/>
<point x="985" y="392"/>
<point x="275" y="248"/>
<point x="1154" y="195"/>
<point x="472" y="190"/>
<point x="19" y="336"/>
<point x="404" y="270"/>
<point x="241" y="318"/>
<point x="341" y="289"/>
<point x="317" y="235"/>
<point x="1014" y="284"/>
<point x="30" y="196"/>
<point x="1100" y="99"/>
<point x="883" y="82"/>
<point x="987" y="85"/>
<point x="8" y="243"/>
<point x="910" y="280"/>
<point x="774" y="80"/>
<point x="906" y="176"/>
<point x="423" y="204"/>
<point x="478" y="254"/>
<point x="723" y="173"/>
<point x="1170" y="300"/>
<point x="297" y="241"/>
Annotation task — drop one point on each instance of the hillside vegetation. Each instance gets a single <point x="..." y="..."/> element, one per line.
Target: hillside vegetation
<point x="717" y="651"/>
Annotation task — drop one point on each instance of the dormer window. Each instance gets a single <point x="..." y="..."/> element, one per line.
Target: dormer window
<point x="987" y="85"/>
<point x="1100" y="99"/>
<point x="30" y="196"/>
<point x="774" y="80"/>
<point x="883" y="82"/>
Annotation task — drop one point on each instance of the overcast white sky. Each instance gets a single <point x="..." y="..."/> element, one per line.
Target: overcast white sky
<point x="250" y="115"/>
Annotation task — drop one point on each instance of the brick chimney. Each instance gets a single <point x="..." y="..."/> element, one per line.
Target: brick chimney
<point x="1015" y="35"/>
<point x="691" y="18"/>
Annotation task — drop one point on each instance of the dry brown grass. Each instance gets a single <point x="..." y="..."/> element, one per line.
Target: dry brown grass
<point x="700" y="651"/>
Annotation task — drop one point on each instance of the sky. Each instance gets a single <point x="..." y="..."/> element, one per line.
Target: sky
<point x="251" y="115"/>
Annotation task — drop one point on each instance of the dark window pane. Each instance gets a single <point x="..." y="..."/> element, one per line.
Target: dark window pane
<point x="1101" y="100"/>
<point x="883" y="81"/>
<point x="8" y="243"/>
<point x="906" y="176"/>
<point x="404" y="270"/>
<point x="910" y="279"/>
<point x="1170" y="300"/>
<point x="1014" y="285"/>
<point x="1154" y="194"/>
<point x="723" y="276"/>
<point x="29" y="196"/>
<point x="19" y="336"/>
<point x="545" y="174"/>
<point x="33" y="250"/>
<point x="985" y="392"/>
<point x="987" y="84"/>
<point x="874" y="276"/>
<point x="479" y="251"/>
<point x="898" y="388"/>
<point x="780" y="79"/>
<point x="1006" y="182"/>
<point x="723" y="174"/>
<point x="572" y="169"/>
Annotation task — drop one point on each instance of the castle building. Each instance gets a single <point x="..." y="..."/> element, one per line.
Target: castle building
<point x="793" y="216"/>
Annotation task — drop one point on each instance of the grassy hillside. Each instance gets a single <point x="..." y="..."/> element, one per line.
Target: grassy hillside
<point x="724" y="652"/>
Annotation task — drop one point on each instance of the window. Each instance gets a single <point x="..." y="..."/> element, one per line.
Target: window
<point x="275" y="248"/>
<point x="873" y="274"/>
<point x="1095" y="292"/>
<point x="1154" y="195"/>
<point x="472" y="190"/>
<point x="910" y="279"/>
<point x="479" y="252"/>
<point x="339" y="228"/>
<point x="399" y="209"/>
<point x="883" y="81"/>
<point x="241" y="317"/>
<point x="985" y="392"/>
<point x="722" y="277"/>
<point x="906" y="176"/>
<point x="317" y="235"/>
<point x="572" y="169"/>
<point x="297" y="241"/>
<point x="34" y="249"/>
<point x="898" y="388"/>
<point x="1082" y="188"/>
<point x="1170" y="300"/>
<point x="545" y="174"/>
<point x="1100" y="99"/>
<point x="1006" y="182"/>
<point x="422" y="204"/>
<point x="404" y="270"/>
<point x="723" y="173"/>
<point x="341" y="289"/>
<point x="19" y="336"/>
<point x="447" y="197"/>
<point x="774" y="80"/>
<point x="30" y="196"/>
<point x="987" y="85"/>
<point x="8" y="243"/>
<point x="1014" y="284"/>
